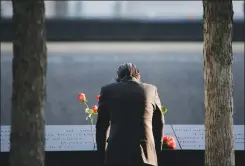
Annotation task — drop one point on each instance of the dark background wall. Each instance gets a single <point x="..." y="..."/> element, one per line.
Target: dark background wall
<point x="121" y="30"/>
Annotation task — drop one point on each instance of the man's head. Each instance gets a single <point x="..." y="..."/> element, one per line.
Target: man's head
<point x="127" y="70"/>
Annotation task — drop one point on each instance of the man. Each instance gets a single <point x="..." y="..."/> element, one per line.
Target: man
<point x="133" y="111"/>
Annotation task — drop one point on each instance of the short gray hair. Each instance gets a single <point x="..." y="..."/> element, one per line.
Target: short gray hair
<point x="127" y="70"/>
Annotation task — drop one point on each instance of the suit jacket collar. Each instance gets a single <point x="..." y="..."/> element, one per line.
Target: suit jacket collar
<point x="126" y="79"/>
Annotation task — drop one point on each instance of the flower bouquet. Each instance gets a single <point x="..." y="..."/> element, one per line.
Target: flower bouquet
<point x="168" y="143"/>
<point x="90" y="111"/>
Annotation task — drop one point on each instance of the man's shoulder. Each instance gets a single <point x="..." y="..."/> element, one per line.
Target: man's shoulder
<point x="113" y="85"/>
<point x="108" y="86"/>
<point x="147" y="85"/>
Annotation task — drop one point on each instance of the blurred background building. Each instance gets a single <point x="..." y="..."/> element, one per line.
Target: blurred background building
<point x="149" y="10"/>
<point x="123" y="20"/>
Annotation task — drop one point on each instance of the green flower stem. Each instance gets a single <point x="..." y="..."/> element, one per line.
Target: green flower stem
<point x="91" y="126"/>
<point x="86" y="104"/>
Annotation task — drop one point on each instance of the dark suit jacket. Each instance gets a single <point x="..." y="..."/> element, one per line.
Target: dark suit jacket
<point x="133" y="111"/>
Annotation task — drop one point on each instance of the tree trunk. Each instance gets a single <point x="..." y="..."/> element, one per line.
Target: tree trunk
<point x="218" y="83"/>
<point x="29" y="77"/>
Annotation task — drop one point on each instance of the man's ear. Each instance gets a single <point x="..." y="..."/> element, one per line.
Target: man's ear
<point x="139" y="76"/>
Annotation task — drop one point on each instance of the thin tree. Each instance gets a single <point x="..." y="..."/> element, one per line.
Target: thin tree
<point x="28" y="90"/>
<point x="218" y="83"/>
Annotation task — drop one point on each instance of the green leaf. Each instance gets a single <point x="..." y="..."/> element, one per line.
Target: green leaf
<point x="91" y="120"/>
<point x="89" y="116"/>
<point x="164" y="110"/>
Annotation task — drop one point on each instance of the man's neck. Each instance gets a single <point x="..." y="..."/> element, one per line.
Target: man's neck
<point x="128" y="78"/>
